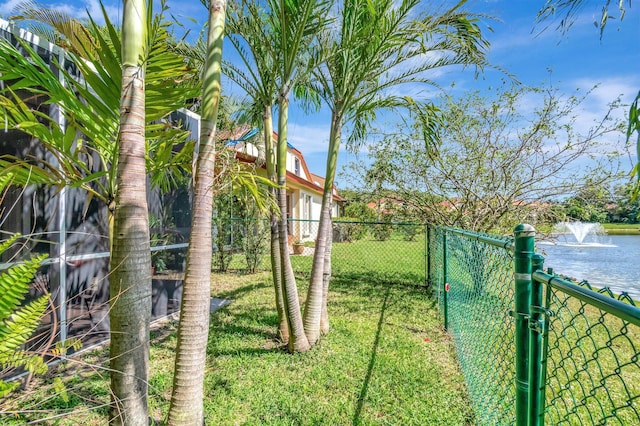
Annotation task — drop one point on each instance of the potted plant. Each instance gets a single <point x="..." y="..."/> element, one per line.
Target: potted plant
<point x="298" y="247"/>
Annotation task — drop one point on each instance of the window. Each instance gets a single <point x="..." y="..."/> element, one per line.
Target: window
<point x="296" y="167"/>
<point x="306" y="215"/>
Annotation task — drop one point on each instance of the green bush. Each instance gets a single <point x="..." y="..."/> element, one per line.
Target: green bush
<point x="382" y="231"/>
<point x="223" y="244"/>
<point x="410" y="231"/>
<point x="255" y="242"/>
<point x="361" y="212"/>
<point x="348" y="229"/>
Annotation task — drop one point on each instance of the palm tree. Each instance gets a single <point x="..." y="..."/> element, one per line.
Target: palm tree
<point x="280" y="36"/>
<point x="296" y="24"/>
<point x="89" y="157"/>
<point x="130" y="283"/>
<point x="571" y="7"/>
<point x="85" y="145"/>
<point x="252" y="38"/>
<point x="187" y="397"/>
<point x="379" y="45"/>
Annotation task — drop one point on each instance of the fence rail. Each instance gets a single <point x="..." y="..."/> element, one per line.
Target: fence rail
<point x="534" y="346"/>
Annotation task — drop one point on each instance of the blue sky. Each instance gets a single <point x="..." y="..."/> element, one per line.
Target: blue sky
<point x="577" y="59"/>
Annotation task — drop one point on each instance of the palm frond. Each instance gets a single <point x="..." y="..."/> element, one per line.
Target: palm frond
<point x="90" y="104"/>
<point x="17" y="321"/>
<point x="56" y="26"/>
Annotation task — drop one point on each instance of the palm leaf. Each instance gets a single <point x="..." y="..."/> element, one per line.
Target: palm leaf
<point x="91" y="104"/>
<point x="17" y="323"/>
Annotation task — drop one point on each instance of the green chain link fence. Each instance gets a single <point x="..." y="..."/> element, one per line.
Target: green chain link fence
<point x="592" y="355"/>
<point x="388" y="252"/>
<point x="534" y="347"/>
<point x="472" y="275"/>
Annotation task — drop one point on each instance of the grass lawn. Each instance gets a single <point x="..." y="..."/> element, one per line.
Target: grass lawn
<point x="622" y="228"/>
<point x="386" y="360"/>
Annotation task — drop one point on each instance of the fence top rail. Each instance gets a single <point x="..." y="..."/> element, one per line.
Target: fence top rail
<point x="338" y="220"/>
<point x="601" y="301"/>
<point x="506" y="244"/>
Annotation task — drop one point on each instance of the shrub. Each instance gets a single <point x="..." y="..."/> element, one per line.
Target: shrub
<point x="409" y="231"/>
<point x="348" y="229"/>
<point x="255" y="242"/>
<point x="360" y="212"/>
<point x="382" y="231"/>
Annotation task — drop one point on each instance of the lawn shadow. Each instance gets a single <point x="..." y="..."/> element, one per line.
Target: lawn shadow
<point x="372" y="360"/>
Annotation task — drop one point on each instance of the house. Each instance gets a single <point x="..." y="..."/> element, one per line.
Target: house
<point x="304" y="189"/>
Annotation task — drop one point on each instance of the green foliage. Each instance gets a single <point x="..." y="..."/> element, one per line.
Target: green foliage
<point x="84" y="148"/>
<point x="238" y="222"/>
<point x="571" y="11"/>
<point x="360" y="211"/>
<point x="17" y="323"/>
<point x="625" y="206"/>
<point x="634" y="127"/>
<point x="348" y="229"/>
<point x="160" y="235"/>
<point x="226" y="233"/>
<point x="255" y="239"/>
<point x="589" y="204"/>
<point x="382" y="231"/>
<point x="492" y="167"/>
<point x="410" y="231"/>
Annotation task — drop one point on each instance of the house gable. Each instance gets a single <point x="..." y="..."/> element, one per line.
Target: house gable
<point x="298" y="174"/>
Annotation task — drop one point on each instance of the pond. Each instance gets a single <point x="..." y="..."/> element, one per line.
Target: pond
<point x="614" y="262"/>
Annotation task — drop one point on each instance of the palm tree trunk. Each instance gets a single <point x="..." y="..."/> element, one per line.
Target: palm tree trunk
<point x="316" y="297"/>
<point x="298" y="341"/>
<point x="324" y="316"/>
<point x="276" y="261"/>
<point x="187" y="397"/>
<point x="130" y="281"/>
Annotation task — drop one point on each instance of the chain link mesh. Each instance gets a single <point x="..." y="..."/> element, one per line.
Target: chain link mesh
<point x="480" y="282"/>
<point x="593" y="368"/>
<point x="393" y="252"/>
<point x="593" y="372"/>
<point x="592" y="356"/>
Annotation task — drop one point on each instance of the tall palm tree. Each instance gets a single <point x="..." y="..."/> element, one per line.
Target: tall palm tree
<point x="187" y="397"/>
<point x="251" y="36"/>
<point x="380" y="44"/>
<point x="296" y="24"/>
<point x="130" y="283"/>
<point x="280" y="35"/>
<point x="89" y="157"/>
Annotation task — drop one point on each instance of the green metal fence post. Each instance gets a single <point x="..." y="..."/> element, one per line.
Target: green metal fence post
<point x="445" y="284"/>
<point x="536" y="330"/>
<point x="544" y="350"/>
<point x="427" y="254"/>
<point x="523" y="253"/>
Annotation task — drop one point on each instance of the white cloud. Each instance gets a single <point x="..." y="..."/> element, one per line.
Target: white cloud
<point x="309" y="139"/>
<point x="76" y="9"/>
<point x="609" y="88"/>
<point x="6" y="8"/>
